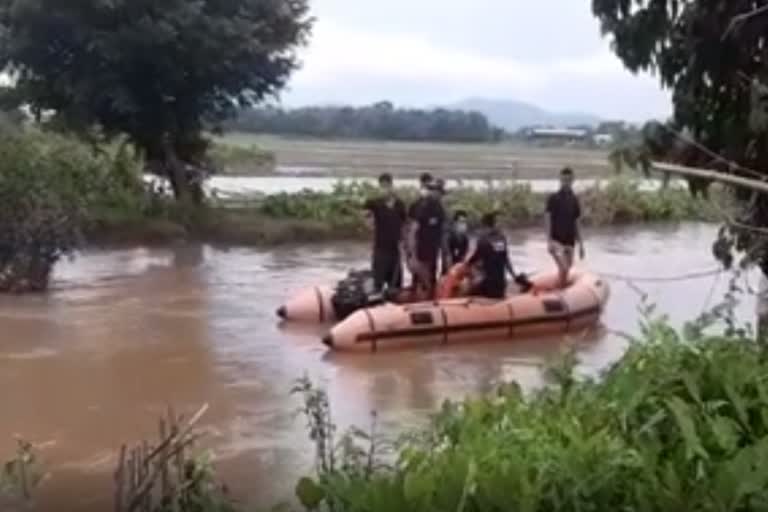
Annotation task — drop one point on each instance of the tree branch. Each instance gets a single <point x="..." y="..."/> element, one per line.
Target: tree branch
<point x="709" y="152"/>
<point x="696" y="172"/>
<point x="741" y="19"/>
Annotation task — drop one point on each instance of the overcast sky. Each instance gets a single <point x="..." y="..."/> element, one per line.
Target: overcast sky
<point x="428" y="52"/>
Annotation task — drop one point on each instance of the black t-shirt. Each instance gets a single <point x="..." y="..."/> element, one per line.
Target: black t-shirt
<point x="428" y="212"/>
<point x="564" y="210"/>
<point x="457" y="245"/>
<point x="492" y="254"/>
<point x="388" y="218"/>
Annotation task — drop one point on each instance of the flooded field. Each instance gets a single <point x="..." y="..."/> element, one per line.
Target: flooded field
<point x="408" y="159"/>
<point x="124" y="333"/>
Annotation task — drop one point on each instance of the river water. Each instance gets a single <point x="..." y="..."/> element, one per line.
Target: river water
<point x="123" y="333"/>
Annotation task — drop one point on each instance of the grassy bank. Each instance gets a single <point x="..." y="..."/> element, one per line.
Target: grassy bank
<point x="314" y="216"/>
<point x="679" y="423"/>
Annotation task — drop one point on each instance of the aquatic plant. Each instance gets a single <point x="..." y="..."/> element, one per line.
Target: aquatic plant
<point x="19" y="476"/>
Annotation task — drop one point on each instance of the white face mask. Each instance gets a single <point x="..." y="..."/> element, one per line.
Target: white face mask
<point x="423" y="192"/>
<point x="461" y="227"/>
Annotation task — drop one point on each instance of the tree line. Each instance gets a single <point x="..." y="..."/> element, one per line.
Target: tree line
<point x="381" y="121"/>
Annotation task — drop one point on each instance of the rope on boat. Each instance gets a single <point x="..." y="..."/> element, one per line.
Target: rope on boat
<point x="663" y="279"/>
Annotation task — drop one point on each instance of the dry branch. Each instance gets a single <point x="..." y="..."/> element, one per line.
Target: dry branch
<point x="150" y="476"/>
<point x="696" y="172"/>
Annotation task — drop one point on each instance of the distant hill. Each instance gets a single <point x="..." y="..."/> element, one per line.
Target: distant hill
<point x="513" y="115"/>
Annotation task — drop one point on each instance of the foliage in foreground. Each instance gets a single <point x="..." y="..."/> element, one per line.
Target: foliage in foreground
<point x="679" y="423"/>
<point x="19" y="477"/>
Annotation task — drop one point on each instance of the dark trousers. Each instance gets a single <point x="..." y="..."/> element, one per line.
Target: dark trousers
<point x="490" y="290"/>
<point x="428" y="262"/>
<point x="387" y="269"/>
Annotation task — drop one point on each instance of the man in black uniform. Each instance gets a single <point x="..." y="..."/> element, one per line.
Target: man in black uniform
<point x="426" y="235"/>
<point x="456" y="242"/>
<point x="388" y="212"/>
<point x="491" y="253"/>
<point x="563" y="225"/>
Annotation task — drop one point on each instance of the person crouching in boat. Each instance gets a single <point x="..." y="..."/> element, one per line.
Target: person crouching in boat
<point x="456" y="242"/>
<point x="388" y="213"/>
<point x="493" y="258"/>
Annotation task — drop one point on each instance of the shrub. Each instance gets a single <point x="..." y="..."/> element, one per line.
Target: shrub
<point x="679" y="423"/>
<point x="50" y="188"/>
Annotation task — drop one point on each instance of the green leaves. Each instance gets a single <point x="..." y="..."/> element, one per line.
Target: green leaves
<point x="157" y="72"/>
<point x="677" y="424"/>
<point x="309" y="493"/>
<point x="685" y="422"/>
<point x="717" y="75"/>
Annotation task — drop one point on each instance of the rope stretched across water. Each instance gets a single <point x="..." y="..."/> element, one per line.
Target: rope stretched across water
<point x="663" y="279"/>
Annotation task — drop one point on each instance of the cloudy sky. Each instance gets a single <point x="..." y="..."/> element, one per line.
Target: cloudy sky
<point x="428" y="52"/>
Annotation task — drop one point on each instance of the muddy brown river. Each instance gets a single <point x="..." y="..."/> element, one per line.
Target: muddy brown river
<point x="124" y="333"/>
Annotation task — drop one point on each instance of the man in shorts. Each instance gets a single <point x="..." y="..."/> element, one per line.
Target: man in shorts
<point x="563" y="226"/>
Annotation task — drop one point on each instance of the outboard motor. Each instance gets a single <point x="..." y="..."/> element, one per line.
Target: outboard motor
<point x="355" y="292"/>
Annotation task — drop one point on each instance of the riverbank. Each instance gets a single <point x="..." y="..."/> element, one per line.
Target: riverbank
<point x="310" y="216"/>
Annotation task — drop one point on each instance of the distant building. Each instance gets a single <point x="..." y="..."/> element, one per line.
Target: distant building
<point x="603" y="139"/>
<point x="557" y="134"/>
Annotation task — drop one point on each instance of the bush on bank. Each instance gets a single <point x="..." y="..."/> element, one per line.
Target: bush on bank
<point x="617" y="202"/>
<point x="50" y="188"/>
<point x="679" y="423"/>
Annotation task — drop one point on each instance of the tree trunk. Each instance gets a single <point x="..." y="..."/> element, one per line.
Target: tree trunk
<point x="184" y="189"/>
<point x="762" y="310"/>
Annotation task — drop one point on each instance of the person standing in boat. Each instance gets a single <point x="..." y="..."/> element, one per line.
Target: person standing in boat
<point x="493" y="258"/>
<point x="388" y="213"/>
<point x="456" y="243"/>
<point x="425" y="236"/>
<point x="563" y="224"/>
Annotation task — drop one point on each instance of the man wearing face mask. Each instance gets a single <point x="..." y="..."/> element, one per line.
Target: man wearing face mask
<point x="456" y="243"/>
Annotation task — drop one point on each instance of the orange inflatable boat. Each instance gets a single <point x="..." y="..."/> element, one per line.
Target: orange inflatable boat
<point x="316" y="304"/>
<point x="545" y="310"/>
<point x="309" y="305"/>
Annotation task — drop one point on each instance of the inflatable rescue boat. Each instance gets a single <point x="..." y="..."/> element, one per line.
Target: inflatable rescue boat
<point x="545" y="309"/>
<point x="321" y="304"/>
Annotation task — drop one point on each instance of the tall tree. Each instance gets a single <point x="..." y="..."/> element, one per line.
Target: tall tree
<point x="713" y="56"/>
<point x="158" y="71"/>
